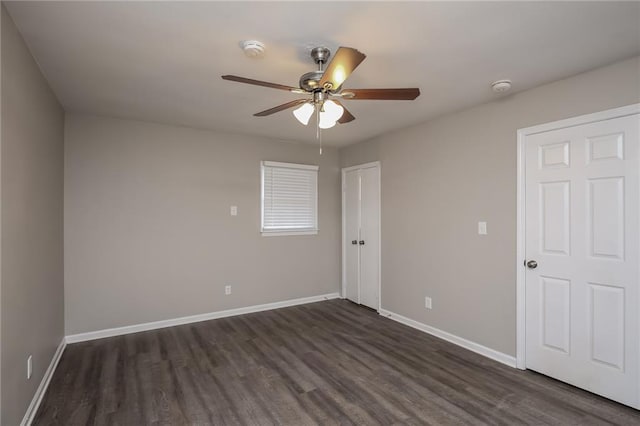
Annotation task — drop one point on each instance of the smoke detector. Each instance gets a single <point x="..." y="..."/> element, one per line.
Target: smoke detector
<point x="501" y="86"/>
<point x="253" y="48"/>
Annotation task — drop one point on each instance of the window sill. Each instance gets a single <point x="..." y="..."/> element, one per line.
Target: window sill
<point x="288" y="233"/>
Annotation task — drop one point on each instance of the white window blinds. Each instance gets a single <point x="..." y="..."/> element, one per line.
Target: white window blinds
<point x="289" y="198"/>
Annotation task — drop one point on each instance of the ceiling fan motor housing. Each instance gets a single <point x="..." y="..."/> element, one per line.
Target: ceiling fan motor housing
<point x="310" y="81"/>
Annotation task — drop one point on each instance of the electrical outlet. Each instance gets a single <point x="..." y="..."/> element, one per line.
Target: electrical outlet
<point x="29" y="366"/>
<point x="227" y="290"/>
<point x="427" y="302"/>
<point x="233" y="210"/>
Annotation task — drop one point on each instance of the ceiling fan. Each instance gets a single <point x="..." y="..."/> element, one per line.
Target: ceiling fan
<point x="324" y="86"/>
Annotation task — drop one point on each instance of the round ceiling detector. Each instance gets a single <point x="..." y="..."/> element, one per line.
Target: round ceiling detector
<point x="501" y="86"/>
<point x="253" y="48"/>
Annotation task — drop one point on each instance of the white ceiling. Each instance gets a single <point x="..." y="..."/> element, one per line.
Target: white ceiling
<point x="162" y="61"/>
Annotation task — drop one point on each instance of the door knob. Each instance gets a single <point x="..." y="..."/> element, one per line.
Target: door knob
<point x="532" y="264"/>
<point x="361" y="242"/>
<point x="354" y="242"/>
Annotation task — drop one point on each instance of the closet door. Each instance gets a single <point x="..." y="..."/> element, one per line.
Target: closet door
<point x="361" y="234"/>
<point x="369" y="236"/>
<point x="352" y="234"/>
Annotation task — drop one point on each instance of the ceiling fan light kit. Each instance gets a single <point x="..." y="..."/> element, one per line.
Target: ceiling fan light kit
<point x="324" y="84"/>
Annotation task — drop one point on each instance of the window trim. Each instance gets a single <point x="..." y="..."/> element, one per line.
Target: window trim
<point x="286" y="232"/>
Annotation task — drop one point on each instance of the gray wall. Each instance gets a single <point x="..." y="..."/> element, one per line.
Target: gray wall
<point x="148" y="234"/>
<point x="32" y="313"/>
<point x="442" y="177"/>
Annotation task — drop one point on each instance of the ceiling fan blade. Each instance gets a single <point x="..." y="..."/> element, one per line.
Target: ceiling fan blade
<point x="346" y="115"/>
<point x="260" y="83"/>
<point x="280" y="108"/>
<point x="341" y="66"/>
<point x="407" y="94"/>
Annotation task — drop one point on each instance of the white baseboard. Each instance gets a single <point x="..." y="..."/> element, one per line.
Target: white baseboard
<point x="452" y="338"/>
<point x="110" y="332"/>
<point x="44" y="384"/>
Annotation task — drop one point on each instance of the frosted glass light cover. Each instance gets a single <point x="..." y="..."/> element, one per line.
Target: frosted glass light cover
<point x="304" y="113"/>
<point x="325" y="121"/>
<point x="334" y="110"/>
<point x="330" y="113"/>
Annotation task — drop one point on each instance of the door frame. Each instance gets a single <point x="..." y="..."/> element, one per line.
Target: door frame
<point x="343" y="287"/>
<point x="521" y="204"/>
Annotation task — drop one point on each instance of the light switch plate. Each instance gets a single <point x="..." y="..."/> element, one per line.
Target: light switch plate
<point x="482" y="228"/>
<point x="427" y="302"/>
<point x="234" y="210"/>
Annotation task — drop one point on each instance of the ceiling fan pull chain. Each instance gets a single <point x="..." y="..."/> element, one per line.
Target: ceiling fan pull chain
<point x="318" y="132"/>
<point x="317" y="123"/>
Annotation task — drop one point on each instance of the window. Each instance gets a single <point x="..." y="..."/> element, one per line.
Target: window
<point x="289" y="198"/>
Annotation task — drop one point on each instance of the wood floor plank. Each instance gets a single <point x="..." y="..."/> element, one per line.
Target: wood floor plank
<point x="326" y="363"/>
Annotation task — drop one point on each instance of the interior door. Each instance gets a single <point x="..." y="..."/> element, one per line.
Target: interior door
<point x="352" y="234"/>
<point x="369" y="236"/>
<point x="582" y="232"/>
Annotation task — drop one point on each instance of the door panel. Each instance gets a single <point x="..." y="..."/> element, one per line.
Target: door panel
<point x="555" y="312"/>
<point x="582" y="315"/>
<point x="352" y="233"/>
<point x="605" y="217"/>
<point x="606" y="324"/>
<point x="554" y="218"/>
<point x="369" y="234"/>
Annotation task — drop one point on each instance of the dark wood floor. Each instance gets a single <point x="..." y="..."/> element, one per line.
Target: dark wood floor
<point x="324" y="363"/>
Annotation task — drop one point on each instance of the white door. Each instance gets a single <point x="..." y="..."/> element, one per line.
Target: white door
<point x="361" y="250"/>
<point x="352" y="234"/>
<point x="582" y="230"/>
<point x="369" y="236"/>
